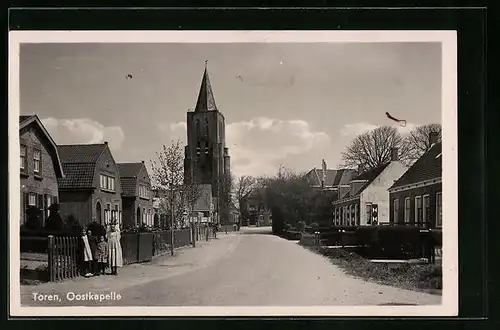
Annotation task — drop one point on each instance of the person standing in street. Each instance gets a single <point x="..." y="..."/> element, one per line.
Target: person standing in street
<point x="102" y="255"/>
<point x="86" y="253"/>
<point x="115" y="257"/>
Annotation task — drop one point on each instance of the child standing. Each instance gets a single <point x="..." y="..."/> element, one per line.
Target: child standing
<point x="86" y="254"/>
<point x="102" y="255"/>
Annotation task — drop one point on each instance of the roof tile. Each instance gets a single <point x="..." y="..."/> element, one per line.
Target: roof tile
<point x="77" y="176"/>
<point x="427" y="167"/>
<point x="79" y="162"/>
<point x="129" y="170"/>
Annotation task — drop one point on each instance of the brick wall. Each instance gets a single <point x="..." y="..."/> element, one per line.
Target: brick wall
<point x="42" y="185"/>
<point x="106" y="165"/>
<point x="430" y="190"/>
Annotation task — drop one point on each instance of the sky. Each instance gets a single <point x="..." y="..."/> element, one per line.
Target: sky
<point x="285" y="104"/>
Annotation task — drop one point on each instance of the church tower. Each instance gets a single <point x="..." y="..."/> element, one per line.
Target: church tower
<point x="206" y="158"/>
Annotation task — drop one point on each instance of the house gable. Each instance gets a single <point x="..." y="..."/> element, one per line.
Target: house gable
<point x="106" y="165"/>
<point x="376" y="192"/>
<point x="33" y="122"/>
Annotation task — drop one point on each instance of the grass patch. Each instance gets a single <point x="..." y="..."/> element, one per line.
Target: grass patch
<point x="417" y="277"/>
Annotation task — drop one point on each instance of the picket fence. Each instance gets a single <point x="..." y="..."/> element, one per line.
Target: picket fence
<point x="63" y="253"/>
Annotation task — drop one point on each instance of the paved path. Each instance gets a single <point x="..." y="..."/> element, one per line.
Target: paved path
<point x="239" y="269"/>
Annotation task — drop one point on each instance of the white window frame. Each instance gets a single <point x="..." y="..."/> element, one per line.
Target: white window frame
<point x="395" y="210"/>
<point x="107" y="182"/>
<point x="407" y="210"/>
<point x="417" y="199"/>
<point x="30" y="201"/>
<point x="439" y="210"/>
<point x="424" y="208"/>
<point x="24" y="152"/>
<point x="37" y="161"/>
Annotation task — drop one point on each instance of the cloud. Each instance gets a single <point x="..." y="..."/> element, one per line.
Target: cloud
<point x="82" y="131"/>
<point x="259" y="145"/>
<point x="355" y="129"/>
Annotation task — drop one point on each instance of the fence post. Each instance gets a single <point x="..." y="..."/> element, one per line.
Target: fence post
<point x="50" y="252"/>
<point x="206" y="233"/>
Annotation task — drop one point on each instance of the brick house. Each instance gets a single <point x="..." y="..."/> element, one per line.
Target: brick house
<point x="137" y="197"/>
<point x="40" y="167"/>
<point x="91" y="188"/>
<point x="366" y="202"/>
<point x="416" y="197"/>
<point x="328" y="179"/>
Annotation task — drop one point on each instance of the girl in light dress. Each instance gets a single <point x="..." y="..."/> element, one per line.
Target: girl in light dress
<point x="87" y="254"/>
<point x="115" y="257"/>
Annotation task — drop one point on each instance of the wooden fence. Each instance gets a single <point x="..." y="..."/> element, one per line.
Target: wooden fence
<point x="63" y="252"/>
<point x="63" y="257"/>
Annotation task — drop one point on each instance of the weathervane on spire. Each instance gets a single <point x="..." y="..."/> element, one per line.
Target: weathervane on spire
<point x="206" y="61"/>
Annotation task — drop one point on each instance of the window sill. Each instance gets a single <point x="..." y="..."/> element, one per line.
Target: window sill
<point x="108" y="191"/>
<point x="24" y="175"/>
<point x="38" y="177"/>
<point x="144" y="198"/>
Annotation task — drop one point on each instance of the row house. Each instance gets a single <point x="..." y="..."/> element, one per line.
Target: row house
<point x="366" y="202"/>
<point x="137" y="197"/>
<point x="416" y="197"/>
<point x="329" y="179"/>
<point x="204" y="206"/>
<point x="40" y="168"/>
<point x="91" y="188"/>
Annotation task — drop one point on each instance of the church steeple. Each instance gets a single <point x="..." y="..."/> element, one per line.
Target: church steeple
<point x="206" y="100"/>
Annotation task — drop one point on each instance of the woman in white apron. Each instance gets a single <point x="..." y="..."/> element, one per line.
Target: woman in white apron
<point x="115" y="257"/>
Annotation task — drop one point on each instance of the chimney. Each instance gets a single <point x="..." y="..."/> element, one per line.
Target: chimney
<point x="433" y="138"/>
<point x="106" y="142"/>
<point x="394" y="154"/>
<point x="142" y="161"/>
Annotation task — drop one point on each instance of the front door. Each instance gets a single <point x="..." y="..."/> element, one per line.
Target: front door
<point x="98" y="213"/>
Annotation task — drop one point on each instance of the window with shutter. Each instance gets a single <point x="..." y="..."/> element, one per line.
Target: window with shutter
<point x="369" y="213"/>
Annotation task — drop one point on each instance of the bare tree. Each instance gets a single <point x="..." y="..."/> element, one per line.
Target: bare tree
<point x="417" y="142"/>
<point x="372" y="149"/>
<point x="168" y="174"/>
<point x="191" y="194"/>
<point x="243" y="188"/>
